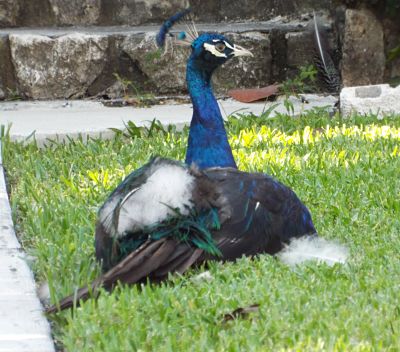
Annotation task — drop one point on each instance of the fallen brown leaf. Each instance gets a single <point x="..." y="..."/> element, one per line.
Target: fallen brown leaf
<point x="253" y="94"/>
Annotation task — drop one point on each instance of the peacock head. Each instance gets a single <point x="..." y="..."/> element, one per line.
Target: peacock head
<point x="212" y="50"/>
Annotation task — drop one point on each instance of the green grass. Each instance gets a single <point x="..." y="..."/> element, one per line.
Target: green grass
<point x="346" y="171"/>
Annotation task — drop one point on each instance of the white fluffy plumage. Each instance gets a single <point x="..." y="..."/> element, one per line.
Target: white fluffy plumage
<point x="317" y="249"/>
<point x="168" y="187"/>
<point x="43" y="292"/>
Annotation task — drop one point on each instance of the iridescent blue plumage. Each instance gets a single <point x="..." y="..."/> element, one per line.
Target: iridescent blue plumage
<point x="208" y="144"/>
<point x="167" y="25"/>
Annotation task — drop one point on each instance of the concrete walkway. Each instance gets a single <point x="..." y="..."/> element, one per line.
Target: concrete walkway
<point x="58" y="119"/>
<point x="22" y="324"/>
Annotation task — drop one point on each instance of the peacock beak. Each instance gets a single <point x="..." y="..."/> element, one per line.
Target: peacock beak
<point x="239" y="51"/>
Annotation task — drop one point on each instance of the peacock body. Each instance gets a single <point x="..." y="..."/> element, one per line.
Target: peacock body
<point x="169" y="216"/>
<point x="224" y="212"/>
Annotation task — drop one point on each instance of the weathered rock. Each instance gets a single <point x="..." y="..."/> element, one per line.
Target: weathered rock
<point x="378" y="99"/>
<point x="63" y="67"/>
<point x="167" y="72"/>
<point x="7" y="79"/>
<point x="35" y="13"/>
<point x="55" y="63"/>
<point x="136" y="12"/>
<point x="76" y="12"/>
<point x="300" y="49"/>
<point x="394" y="69"/>
<point x="392" y="35"/>
<point x="363" y="49"/>
<point x="225" y="10"/>
<point x="206" y="11"/>
<point x="115" y="91"/>
<point x="9" y="11"/>
<point x="249" y="71"/>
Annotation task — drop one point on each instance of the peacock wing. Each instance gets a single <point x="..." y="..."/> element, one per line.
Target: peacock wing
<point x="258" y="214"/>
<point x="107" y="219"/>
<point x="153" y="260"/>
<point x="152" y="202"/>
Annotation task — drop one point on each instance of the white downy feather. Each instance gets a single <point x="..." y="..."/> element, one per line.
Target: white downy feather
<point x="204" y="276"/>
<point x="43" y="292"/>
<point x="169" y="187"/>
<point x="318" y="249"/>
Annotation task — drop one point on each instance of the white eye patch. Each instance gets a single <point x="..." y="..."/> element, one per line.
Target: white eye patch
<point x="229" y="46"/>
<point x="211" y="48"/>
<point x="226" y="43"/>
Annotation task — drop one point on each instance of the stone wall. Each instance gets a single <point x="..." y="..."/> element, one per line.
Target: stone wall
<point x="63" y="67"/>
<point x="26" y="13"/>
<point x="83" y="48"/>
<point x="369" y="33"/>
<point x="40" y="64"/>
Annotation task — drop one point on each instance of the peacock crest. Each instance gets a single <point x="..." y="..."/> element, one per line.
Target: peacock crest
<point x="165" y="39"/>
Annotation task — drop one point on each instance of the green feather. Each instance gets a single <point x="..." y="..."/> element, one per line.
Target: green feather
<point x="194" y="229"/>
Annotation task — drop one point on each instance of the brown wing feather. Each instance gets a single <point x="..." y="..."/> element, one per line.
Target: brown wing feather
<point x="149" y="260"/>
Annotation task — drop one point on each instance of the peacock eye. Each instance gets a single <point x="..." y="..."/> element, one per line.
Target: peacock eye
<point x="220" y="47"/>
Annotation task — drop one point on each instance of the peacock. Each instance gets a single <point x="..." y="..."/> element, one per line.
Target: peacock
<point x="169" y="216"/>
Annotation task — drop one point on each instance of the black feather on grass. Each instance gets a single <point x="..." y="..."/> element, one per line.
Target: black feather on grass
<point x="242" y="312"/>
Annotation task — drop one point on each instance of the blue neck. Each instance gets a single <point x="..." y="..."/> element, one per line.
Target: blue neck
<point x="208" y="143"/>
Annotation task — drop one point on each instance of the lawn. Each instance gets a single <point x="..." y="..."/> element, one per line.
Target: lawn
<point x="346" y="171"/>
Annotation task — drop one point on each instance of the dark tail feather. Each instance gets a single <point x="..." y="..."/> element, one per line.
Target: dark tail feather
<point x="149" y="261"/>
<point x="178" y="264"/>
<point x="80" y="295"/>
<point x="189" y="261"/>
<point x="137" y="267"/>
<point x="167" y="25"/>
<point x="327" y="71"/>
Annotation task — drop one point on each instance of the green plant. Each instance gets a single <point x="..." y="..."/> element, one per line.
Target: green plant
<point x="13" y="94"/>
<point x="152" y="58"/>
<point x="125" y="83"/>
<point x="345" y="170"/>
<point x="141" y="99"/>
<point x="394" y="53"/>
<point x="5" y="131"/>
<point x="133" y="131"/>
<point x="303" y="82"/>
